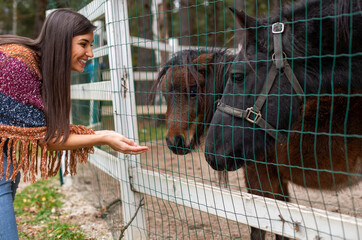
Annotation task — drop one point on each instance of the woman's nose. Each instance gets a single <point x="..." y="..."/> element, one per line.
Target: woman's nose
<point x="89" y="53"/>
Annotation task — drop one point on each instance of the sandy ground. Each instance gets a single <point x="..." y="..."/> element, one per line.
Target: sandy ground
<point x="94" y="202"/>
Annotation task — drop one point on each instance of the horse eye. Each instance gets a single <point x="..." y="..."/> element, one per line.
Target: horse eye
<point x="193" y="91"/>
<point x="237" y="76"/>
<point x="203" y="72"/>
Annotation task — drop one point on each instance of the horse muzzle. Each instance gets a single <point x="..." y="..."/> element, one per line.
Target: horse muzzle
<point x="178" y="145"/>
<point x="221" y="163"/>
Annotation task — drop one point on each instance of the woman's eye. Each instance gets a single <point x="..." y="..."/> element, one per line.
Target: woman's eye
<point x="193" y="91"/>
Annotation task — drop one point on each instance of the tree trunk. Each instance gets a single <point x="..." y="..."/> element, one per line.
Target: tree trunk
<point x="146" y="58"/>
<point x="40" y="6"/>
<point x="163" y="27"/>
<point x="211" y="26"/>
<point x="187" y="22"/>
<point x="15" y="16"/>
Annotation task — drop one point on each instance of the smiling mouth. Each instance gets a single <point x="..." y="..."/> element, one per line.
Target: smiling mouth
<point x="82" y="62"/>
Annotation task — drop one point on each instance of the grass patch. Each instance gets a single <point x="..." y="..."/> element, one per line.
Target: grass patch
<point x="37" y="210"/>
<point x="151" y="133"/>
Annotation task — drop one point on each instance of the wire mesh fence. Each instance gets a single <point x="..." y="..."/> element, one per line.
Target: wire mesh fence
<point x="230" y="104"/>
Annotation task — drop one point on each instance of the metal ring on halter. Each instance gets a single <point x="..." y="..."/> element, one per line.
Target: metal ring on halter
<point x="284" y="55"/>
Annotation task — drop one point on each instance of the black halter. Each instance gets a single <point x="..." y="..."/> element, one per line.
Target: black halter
<point x="253" y="114"/>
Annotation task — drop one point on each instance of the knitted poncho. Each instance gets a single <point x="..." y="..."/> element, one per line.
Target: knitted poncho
<point x="22" y="120"/>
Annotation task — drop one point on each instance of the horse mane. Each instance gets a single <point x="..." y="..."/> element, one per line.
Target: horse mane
<point x="175" y="60"/>
<point x="185" y="57"/>
<point x="223" y="61"/>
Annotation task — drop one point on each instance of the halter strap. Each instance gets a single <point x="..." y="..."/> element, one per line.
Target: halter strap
<point x="277" y="30"/>
<point x="253" y="117"/>
<point x="253" y="114"/>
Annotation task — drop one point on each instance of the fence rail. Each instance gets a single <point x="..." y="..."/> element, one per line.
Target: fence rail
<point x="287" y="219"/>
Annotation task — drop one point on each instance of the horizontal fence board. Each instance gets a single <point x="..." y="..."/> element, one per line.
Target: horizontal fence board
<point x="94" y="10"/>
<point x="105" y="162"/>
<point x="150" y="44"/>
<point x="101" y="91"/>
<point x="137" y="76"/>
<point x="101" y="52"/>
<point x="141" y="110"/>
<point x="288" y="219"/>
<point x="145" y="76"/>
<point x="151" y="110"/>
<point x="282" y="218"/>
<point x="92" y="91"/>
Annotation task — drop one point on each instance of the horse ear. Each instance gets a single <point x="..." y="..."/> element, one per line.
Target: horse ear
<point x="204" y="61"/>
<point x="243" y="19"/>
<point x="250" y="24"/>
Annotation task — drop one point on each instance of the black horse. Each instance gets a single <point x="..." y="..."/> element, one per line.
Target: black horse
<point x="192" y="81"/>
<point x="294" y="65"/>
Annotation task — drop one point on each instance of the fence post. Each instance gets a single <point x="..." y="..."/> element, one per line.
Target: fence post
<point x="116" y="15"/>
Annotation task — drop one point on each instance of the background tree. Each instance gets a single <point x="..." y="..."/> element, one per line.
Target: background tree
<point x="187" y="25"/>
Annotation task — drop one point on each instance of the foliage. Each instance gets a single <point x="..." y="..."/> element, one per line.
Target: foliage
<point x="37" y="208"/>
<point x="150" y="132"/>
<point x="28" y="11"/>
<point x="73" y="4"/>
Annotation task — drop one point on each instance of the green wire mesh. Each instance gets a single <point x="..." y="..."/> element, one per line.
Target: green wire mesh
<point x="192" y="45"/>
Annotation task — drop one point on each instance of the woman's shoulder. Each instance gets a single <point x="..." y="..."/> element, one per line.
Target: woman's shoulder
<point x="24" y="54"/>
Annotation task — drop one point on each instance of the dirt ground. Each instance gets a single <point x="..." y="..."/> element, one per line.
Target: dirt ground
<point x="94" y="201"/>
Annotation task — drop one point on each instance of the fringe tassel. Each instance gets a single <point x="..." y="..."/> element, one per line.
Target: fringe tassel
<point x="26" y="154"/>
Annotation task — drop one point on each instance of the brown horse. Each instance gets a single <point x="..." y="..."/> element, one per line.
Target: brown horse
<point x="191" y="81"/>
<point x="288" y="113"/>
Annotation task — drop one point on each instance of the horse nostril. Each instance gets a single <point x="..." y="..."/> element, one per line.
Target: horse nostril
<point x="179" y="141"/>
<point x="178" y="145"/>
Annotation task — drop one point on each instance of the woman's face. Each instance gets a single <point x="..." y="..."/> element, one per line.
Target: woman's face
<point x="81" y="51"/>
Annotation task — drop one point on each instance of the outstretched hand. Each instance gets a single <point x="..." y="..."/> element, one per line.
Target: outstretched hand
<point x="120" y="143"/>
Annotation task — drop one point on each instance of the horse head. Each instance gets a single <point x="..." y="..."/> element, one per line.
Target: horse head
<point x="191" y="82"/>
<point x="280" y="64"/>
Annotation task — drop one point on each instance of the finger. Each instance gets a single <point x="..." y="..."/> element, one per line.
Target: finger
<point x="129" y="141"/>
<point x="136" y="148"/>
<point x="139" y="151"/>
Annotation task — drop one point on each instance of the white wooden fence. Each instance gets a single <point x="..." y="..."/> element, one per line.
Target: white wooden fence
<point x="283" y="218"/>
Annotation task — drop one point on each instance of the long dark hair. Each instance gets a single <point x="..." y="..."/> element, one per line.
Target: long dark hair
<point x="54" y="47"/>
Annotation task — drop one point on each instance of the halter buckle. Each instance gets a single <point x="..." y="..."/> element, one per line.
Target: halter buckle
<point x="256" y="116"/>
<point x="278" y="27"/>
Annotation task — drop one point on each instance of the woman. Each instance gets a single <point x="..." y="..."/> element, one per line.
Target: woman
<point x="35" y="107"/>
